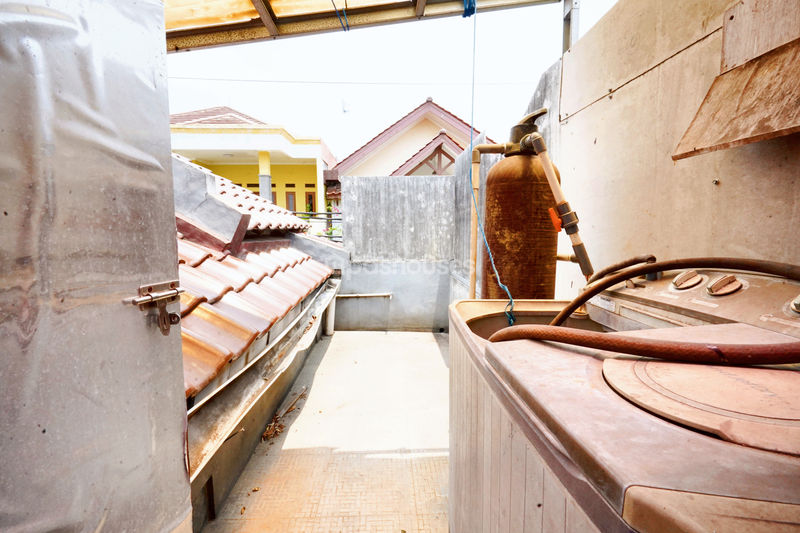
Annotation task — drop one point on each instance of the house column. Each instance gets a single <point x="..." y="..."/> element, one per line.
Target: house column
<point x="320" y="185"/>
<point x="264" y="175"/>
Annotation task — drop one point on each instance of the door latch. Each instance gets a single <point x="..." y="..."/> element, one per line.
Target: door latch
<point x="158" y="295"/>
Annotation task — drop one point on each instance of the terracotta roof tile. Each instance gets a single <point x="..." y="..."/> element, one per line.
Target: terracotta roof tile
<point x="264" y="215"/>
<point x="201" y="284"/>
<point x="269" y="299"/>
<point x="189" y="301"/>
<point x="229" y="302"/>
<point x="192" y="254"/>
<point x="264" y="261"/>
<point x="213" y="323"/>
<point x="252" y="269"/>
<point x="229" y="273"/>
<point x="286" y="293"/>
<point x="202" y="362"/>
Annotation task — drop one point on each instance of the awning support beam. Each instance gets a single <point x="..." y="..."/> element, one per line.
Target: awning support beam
<point x="266" y="16"/>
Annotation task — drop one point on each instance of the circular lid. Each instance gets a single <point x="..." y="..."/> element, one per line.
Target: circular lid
<point x="756" y="407"/>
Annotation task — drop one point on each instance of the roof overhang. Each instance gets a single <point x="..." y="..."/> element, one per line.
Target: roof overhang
<point x="205" y="23"/>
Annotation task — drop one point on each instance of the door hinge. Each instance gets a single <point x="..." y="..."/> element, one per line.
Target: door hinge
<point x="158" y="295"/>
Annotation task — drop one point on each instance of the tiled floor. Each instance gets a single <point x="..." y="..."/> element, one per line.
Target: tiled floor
<point x="365" y="451"/>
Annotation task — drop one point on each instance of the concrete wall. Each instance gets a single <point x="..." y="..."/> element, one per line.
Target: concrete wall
<point x="398" y="218"/>
<point x="463" y="207"/>
<point x="629" y="90"/>
<point x="398" y="232"/>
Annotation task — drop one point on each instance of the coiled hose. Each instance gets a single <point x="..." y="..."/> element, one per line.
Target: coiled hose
<point x="723" y="354"/>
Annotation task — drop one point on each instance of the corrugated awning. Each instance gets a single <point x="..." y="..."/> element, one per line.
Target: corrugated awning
<point x="194" y="24"/>
<point x="756" y="101"/>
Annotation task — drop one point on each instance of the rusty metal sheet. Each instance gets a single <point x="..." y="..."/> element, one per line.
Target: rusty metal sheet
<point x="757" y="101"/>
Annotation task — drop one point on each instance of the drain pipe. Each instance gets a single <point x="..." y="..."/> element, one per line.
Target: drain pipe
<point x="473" y="221"/>
<point x="330" y="317"/>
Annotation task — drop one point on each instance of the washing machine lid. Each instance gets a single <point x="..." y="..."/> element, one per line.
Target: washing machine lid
<point x="757" y="407"/>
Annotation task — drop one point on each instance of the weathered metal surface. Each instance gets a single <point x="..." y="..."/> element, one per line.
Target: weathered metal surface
<point x="763" y="413"/>
<point x="92" y="411"/>
<point x="519" y="230"/>
<point x="757" y="101"/>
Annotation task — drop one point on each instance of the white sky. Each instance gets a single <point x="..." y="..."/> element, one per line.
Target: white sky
<point x="347" y="87"/>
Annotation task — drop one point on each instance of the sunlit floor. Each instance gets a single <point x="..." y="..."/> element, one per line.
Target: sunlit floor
<point x="366" y="450"/>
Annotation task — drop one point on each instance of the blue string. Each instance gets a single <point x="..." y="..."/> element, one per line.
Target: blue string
<point x="509" y="309"/>
<point x="341" y="22"/>
<point x="344" y="12"/>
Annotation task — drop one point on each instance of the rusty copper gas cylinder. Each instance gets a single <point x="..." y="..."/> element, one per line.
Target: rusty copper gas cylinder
<point x="519" y="229"/>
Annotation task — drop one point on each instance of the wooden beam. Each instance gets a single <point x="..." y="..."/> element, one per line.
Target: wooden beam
<point x="266" y="16"/>
<point x="421" y="8"/>
<point x="205" y="37"/>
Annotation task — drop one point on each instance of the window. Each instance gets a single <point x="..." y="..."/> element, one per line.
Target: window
<point x="290" y="204"/>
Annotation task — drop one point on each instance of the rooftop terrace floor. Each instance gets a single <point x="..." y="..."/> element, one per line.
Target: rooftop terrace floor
<point x="365" y="450"/>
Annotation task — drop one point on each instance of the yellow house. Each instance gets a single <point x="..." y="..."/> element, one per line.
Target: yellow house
<point x="266" y="159"/>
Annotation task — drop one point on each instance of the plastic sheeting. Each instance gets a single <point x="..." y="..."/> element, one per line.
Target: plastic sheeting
<point x="92" y="416"/>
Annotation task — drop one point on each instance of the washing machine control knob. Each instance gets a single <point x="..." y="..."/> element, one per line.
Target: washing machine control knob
<point x="686" y="280"/>
<point x="726" y="284"/>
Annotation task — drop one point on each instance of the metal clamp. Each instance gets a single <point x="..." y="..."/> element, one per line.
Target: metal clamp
<point x="158" y="295"/>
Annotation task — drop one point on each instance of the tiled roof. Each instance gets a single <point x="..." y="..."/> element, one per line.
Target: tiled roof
<point x="429" y="106"/>
<point x="264" y="215"/>
<point x="214" y="116"/>
<point x="230" y="303"/>
<point x="334" y="192"/>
